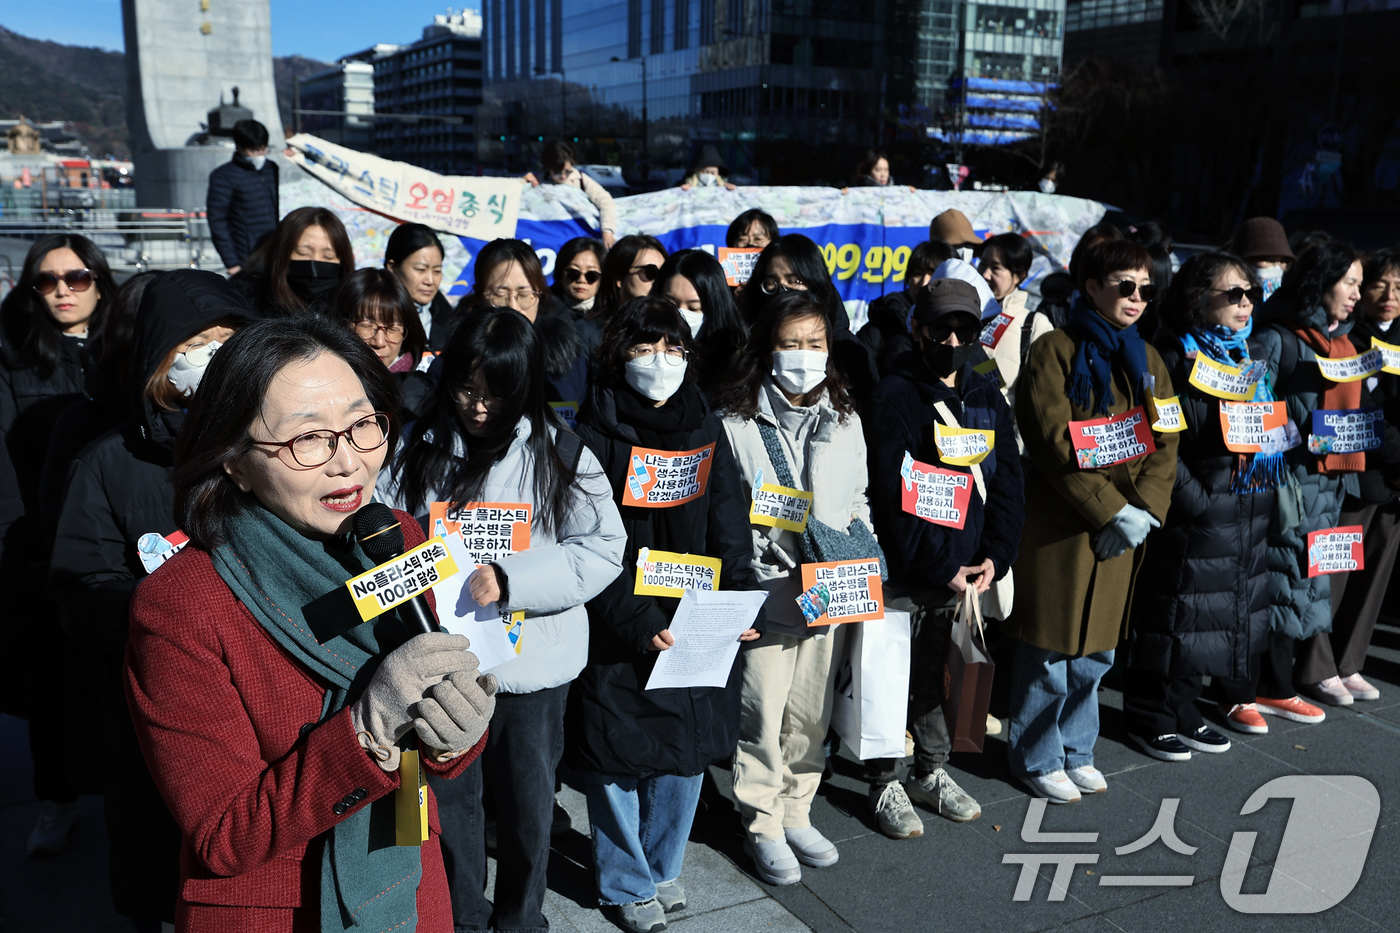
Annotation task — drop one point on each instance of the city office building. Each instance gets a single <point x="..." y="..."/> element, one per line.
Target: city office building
<point x="437" y="76"/>
<point x="339" y="93"/>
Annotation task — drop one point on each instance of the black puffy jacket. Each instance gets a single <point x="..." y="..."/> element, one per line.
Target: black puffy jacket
<point x="1202" y="600"/>
<point x="615" y="726"/>
<point x="886" y="332"/>
<point x="242" y="207"/>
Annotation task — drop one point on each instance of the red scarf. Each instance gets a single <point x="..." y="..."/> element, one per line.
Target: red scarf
<point x="1338" y="396"/>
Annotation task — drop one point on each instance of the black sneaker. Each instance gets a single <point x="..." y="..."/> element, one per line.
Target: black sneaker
<point x="1205" y="739"/>
<point x="1163" y="747"/>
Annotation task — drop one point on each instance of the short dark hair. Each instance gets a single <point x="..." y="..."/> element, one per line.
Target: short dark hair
<point x="927" y="257"/>
<point x="866" y="167"/>
<point x="1184" y="304"/>
<point x="555" y="153"/>
<point x="1109" y="256"/>
<point x="1101" y="232"/>
<point x="741" y="224"/>
<point x="29" y="336"/>
<point x="1318" y="268"/>
<point x="1012" y="251"/>
<point x="378" y="295"/>
<point x="722" y="317"/>
<point x="249" y="134"/>
<point x="808" y="264"/>
<point x="231" y="395"/>
<point x="616" y="267"/>
<point x="579" y="244"/>
<point x="640" y="320"/>
<point x="501" y="252"/>
<point x="739" y="395"/>
<point x="408" y="239"/>
<point x="1378" y="263"/>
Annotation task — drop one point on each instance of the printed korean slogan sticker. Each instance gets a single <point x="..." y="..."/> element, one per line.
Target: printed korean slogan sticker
<point x="660" y="479"/>
<point x="666" y="573"/>
<point x="841" y="591"/>
<point x="490" y="530"/>
<point x="1346" y="432"/>
<point x="737" y="263"/>
<point x="1352" y="368"/>
<point x="1229" y="382"/>
<point x="1335" y="550"/>
<point x="933" y="494"/>
<point x="962" y="446"/>
<point x="1105" y="441"/>
<point x="780" y="507"/>
<point x="1257" y="427"/>
<point x="381" y="588"/>
<point x="1170" y="418"/>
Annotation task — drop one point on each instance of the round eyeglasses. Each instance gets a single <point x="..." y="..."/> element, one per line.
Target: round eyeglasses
<point x="317" y="447"/>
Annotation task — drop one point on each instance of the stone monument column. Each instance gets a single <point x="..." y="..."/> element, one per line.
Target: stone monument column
<point x="183" y="58"/>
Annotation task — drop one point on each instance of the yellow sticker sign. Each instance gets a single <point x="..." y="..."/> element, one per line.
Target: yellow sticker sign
<point x="666" y="573"/>
<point x="411" y="802"/>
<point x="1351" y="368"/>
<point x="413" y="573"/>
<point x="1170" y="418"/>
<point x="1390" y="355"/>
<point x="1221" y="381"/>
<point x="780" y="507"/>
<point x="962" y="446"/>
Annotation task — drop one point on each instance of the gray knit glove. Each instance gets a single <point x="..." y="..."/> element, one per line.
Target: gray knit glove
<point x="381" y="715"/>
<point x="453" y="716"/>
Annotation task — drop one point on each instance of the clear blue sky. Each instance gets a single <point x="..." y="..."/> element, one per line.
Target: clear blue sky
<point x="315" y="28"/>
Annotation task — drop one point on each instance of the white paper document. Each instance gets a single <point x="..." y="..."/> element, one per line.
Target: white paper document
<point x="706" y="628"/>
<point x="459" y="614"/>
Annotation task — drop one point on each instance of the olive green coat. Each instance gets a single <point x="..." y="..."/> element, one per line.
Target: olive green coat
<point x="1067" y="600"/>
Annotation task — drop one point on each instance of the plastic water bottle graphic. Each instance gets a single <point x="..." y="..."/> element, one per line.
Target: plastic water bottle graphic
<point x="439" y="529"/>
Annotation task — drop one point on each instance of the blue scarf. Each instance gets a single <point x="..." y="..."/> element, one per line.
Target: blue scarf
<point x="1253" y="472"/>
<point x="1100" y="346"/>
<point x="290" y="584"/>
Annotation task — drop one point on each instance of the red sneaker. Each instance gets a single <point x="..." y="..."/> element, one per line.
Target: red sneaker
<point x="1244" y="717"/>
<point x="1294" y="708"/>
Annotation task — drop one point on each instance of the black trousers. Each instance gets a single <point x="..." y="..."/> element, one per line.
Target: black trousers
<point x="1270" y="675"/>
<point x="1154" y="705"/>
<point x="523" y="749"/>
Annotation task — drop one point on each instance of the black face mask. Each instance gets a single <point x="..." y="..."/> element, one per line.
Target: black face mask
<point x="312" y="280"/>
<point x="944" y="360"/>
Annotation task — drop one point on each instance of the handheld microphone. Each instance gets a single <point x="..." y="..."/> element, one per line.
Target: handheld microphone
<point x="381" y="536"/>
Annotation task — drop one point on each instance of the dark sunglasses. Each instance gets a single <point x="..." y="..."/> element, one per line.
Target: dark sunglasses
<point x="939" y="331"/>
<point x="591" y="276"/>
<point x="1126" y="287"/>
<point x="1233" y="295"/>
<point x="646" y="273"/>
<point x="79" y="280"/>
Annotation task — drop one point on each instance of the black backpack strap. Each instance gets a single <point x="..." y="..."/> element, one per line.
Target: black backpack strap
<point x="569" y="447"/>
<point x="1027" y="326"/>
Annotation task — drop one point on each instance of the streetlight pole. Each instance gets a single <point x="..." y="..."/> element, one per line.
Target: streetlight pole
<point x="646" y="125"/>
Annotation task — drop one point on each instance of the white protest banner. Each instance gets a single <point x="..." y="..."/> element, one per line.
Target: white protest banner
<point x="1352" y="368"/>
<point x="465" y="205"/>
<point x="381" y="588"/>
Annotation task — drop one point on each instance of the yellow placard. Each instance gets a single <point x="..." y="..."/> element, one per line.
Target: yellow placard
<point x="666" y="573"/>
<point x="1221" y="381"/>
<point x="1390" y="355"/>
<point x="780" y="507"/>
<point x="963" y="446"/>
<point x="568" y="411"/>
<point x="1170" y="418"/>
<point x="411" y="802"/>
<point x="410" y="574"/>
<point x="1351" y="368"/>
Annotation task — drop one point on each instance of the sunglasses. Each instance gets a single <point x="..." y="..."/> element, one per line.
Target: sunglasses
<point x="1233" y="295"/>
<point x="591" y="276"/>
<point x="79" y="280"/>
<point x="939" y="331"/>
<point x="1126" y="287"/>
<point x="646" y="273"/>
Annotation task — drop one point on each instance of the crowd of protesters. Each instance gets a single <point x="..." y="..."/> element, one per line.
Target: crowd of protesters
<point x="245" y="736"/>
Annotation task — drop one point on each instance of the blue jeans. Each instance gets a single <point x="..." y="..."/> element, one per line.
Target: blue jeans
<point x="640" y="827"/>
<point x="1054" y="709"/>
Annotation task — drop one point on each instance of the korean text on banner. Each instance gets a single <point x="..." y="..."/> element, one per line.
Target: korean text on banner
<point x="1346" y="432"/>
<point x="991" y="334"/>
<point x="738" y="264"/>
<point x="780" y="507"/>
<point x="1229" y="382"/>
<point x="1335" y="550"/>
<point x="666" y="573"/>
<point x="490" y="530"/>
<point x="1351" y="368"/>
<point x="659" y="479"/>
<point x="380" y="589"/>
<point x="962" y="446"/>
<point x="935" y="495"/>
<point x="1390" y="355"/>
<point x="841" y="591"/>
<point x="1103" y="442"/>
<point x="1170" y="418"/>
<point x="465" y="205"/>
<point x="1255" y="427"/>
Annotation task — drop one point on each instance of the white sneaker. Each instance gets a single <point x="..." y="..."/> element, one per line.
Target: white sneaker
<point x="1055" y="787"/>
<point x="811" y="847"/>
<point x="774" y="861"/>
<point x="1330" y="691"/>
<point x="1088" y="779"/>
<point x="50" y="833"/>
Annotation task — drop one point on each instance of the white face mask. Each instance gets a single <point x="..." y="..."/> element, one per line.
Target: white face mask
<point x="1047" y="186"/>
<point x="799" y="371"/>
<point x="655" y="377"/>
<point x="1271" y="278"/>
<point x="258" y="162"/>
<point x="966" y="254"/>
<point x="189" y="367"/>
<point x="707" y="179"/>
<point x="696" y="320"/>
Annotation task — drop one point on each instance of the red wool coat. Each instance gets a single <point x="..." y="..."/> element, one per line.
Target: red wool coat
<point x="227" y="722"/>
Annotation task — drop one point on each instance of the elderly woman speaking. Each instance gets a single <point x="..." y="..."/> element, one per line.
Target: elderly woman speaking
<point x="272" y="717"/>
